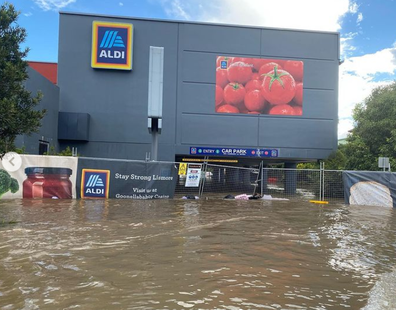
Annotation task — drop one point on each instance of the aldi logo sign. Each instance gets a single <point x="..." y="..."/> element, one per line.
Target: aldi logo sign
<point x="112" y="45"/>
<point x="95" y="183"/>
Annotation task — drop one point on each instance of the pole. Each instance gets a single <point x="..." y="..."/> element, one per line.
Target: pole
<point x="320" y="182"/>
<point x="262" y="178"/>
<point x="154" y="140"/>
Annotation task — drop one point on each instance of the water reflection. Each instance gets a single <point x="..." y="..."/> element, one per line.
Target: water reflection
<point x="211" y="254"/>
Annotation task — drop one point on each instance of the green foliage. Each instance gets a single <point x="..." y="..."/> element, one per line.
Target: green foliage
<point x="7" y="183"/>
<point x="17" y="113"/>
<point x="14" y="186"/>
<point x="374" y="134"/>
<point x="66" y="152"/>
<point x="21" y="150"/>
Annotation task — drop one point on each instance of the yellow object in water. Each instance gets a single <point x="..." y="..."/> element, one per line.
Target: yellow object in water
<point x="320" y="202"/>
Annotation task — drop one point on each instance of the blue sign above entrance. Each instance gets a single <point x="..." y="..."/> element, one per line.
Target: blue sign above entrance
<point x="213" y="151"/>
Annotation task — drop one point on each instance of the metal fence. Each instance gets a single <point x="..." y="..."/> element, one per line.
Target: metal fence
<point x="217" y="181"/>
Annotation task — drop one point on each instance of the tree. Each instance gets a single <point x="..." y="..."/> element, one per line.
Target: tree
<point x="17" y="105"/>
<point x="374" y="134"/>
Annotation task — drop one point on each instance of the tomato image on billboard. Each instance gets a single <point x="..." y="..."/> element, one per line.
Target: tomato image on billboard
<point x="259" y="86"/>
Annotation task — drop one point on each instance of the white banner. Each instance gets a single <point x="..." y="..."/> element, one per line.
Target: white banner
<point x="36" y="176"/>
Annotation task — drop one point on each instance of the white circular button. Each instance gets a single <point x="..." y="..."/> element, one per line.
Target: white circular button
<point x="11" y="161"/>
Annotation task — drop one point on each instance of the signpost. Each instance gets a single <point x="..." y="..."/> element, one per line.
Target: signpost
<point x="383" y="162"/>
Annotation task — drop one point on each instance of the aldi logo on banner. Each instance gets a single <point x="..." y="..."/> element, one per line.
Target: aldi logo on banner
<point x="95" y="183"/>
<point x="112" y="45"/>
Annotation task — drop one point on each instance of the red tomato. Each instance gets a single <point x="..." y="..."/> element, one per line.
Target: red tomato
<point x="279" y="87"/>
<point x="249" y="61"/>
<point x="253" y="84"/>
<point x="239" y="72"/>
<point x="268" y="67"/>
<point x="236" y="59"/>
<point x="281" y="62"/>
<point x="256" y="76"/>
<point x="298" y="97"/>
<point x="220" y="58"/>
<point x="253" y="112"/>
<point x="219" y="95"/>
<point x="258" y="62"/>
<point x="234" y="93"/>
<point x="227" y="108"/>
<point x="283" y="109"/>
<point x="221" y="77"/>
<point x="243" y="109"/>
<point x="295" y="68"/>
<point x="254" y="101"/>
<point x="297" y="110"/>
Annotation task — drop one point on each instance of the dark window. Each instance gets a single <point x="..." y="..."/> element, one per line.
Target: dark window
<point x="43" y="147"/>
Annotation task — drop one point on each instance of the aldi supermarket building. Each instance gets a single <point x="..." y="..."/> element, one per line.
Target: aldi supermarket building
<point x="246" y="93"/>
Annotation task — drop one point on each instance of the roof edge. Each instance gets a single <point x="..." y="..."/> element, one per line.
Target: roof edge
<point x="195" y="22"/>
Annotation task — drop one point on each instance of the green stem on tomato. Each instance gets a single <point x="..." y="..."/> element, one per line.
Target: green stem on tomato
<point x="275" y="77"/>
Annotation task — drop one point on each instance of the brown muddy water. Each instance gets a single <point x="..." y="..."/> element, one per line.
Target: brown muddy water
<point x="182" y="254"/>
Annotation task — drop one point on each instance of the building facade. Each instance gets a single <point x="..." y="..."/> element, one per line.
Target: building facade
<point x="103" y="112"/>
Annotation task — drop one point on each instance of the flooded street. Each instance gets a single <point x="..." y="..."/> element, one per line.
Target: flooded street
<point x="209" y="254"/>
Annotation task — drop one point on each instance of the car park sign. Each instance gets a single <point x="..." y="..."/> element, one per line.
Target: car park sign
<point x="211" y="151"/>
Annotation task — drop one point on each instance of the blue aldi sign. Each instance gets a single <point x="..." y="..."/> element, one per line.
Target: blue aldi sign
<point x="95" y="183"/>
<point x="212" y="151"/>
<point x="112" y="45"/>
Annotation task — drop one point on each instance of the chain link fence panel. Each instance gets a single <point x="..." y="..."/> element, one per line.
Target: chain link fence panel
<point x="218" y="181"/>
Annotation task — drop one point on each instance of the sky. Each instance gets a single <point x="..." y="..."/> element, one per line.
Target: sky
<point x="366" y="27"/>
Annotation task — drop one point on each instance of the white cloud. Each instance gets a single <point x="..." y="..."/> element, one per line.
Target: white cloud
<point x="353" y="7"/>
<point x="28" y="14"/>
<point x="121" y="4"/>
<point x="346" y="45"/>
<point x="313" y="14"/>
<point x="359" y="18"/>
<point x="53" y="5"/>
<point x="358" y="77"/>
<point x="176" y="9"/>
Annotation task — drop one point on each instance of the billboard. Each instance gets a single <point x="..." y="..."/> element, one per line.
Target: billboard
<point x="106" y="178"/>
<point x="112" y="45"/>
<point x="259" y="86"/>
<point x="35" y="176"/>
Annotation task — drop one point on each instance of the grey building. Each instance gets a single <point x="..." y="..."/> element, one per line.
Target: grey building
<point x="103" y="112"/>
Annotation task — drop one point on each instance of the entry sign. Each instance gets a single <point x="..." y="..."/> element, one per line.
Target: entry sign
<point x="112" y="45"/>
<point x="193" y="175"/>
<point x="182" y="169"/>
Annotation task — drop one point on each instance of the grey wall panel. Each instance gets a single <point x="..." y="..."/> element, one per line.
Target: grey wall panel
<point x="198" y="67"/>
<point x="319" y="104"/>
<point x="50" y="101"/>
<point x="320" y="74"/>
<point x="116" y="100"/>
<point x="298" y="133"/>
<point x="220" y="39"/>
<point x="202" y="102"/>
<point x="119" y="150"/>
<point x="221" y="130"/>
<point x="299" y="44"/>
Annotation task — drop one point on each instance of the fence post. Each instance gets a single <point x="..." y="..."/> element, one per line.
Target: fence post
<point x="202" y="183"/>
<point x="262" y="179"/>
<point x="323" y="180"/>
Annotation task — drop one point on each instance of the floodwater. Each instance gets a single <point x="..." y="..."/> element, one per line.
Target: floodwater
<point x="182" y="254"/>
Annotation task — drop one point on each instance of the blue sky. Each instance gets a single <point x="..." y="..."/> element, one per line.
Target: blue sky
<point x="367" y="28"/>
